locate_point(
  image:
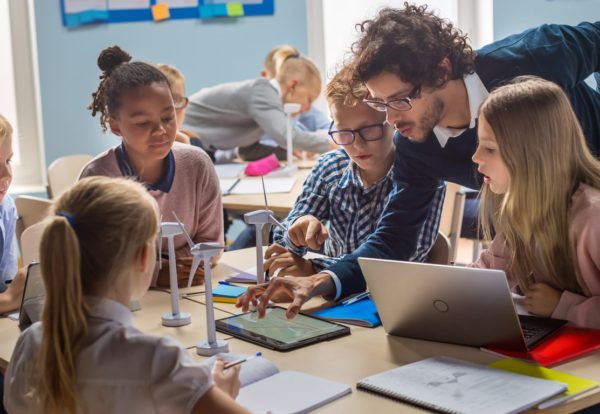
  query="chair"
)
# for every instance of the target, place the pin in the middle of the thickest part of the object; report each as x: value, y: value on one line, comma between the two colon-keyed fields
x: 31, y: 210
x: 63, y: 173
x: 440, y: 251
x: 30, y: 243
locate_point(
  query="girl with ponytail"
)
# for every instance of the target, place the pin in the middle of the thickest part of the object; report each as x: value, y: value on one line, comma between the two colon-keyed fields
x: 85, y: 356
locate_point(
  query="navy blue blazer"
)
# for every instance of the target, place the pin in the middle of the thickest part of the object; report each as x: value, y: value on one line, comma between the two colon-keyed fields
x: 566, y: 55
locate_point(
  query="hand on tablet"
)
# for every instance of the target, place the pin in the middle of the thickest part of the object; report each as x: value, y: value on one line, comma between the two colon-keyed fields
x: 296, y: 290
x: 278, y: 257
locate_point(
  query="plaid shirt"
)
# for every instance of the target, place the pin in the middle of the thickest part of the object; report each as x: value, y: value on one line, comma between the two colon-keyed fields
x: 334, y: 194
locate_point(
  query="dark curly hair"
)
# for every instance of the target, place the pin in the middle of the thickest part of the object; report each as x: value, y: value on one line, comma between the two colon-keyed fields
x: 411, y: 43
x: 119, y: 75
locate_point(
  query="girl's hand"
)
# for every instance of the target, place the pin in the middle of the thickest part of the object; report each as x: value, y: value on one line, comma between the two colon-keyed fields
x: 228, y: 380
x: 541, y: 299
x: 308, y: 231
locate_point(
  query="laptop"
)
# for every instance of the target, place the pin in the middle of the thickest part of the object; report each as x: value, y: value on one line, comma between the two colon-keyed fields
x: 34, y: 294
x: 457, y: 305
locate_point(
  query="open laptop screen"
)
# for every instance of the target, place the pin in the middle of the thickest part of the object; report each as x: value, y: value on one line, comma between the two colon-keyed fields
x: 33, y: 297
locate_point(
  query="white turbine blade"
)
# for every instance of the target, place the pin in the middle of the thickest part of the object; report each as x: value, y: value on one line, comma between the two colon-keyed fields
x: 195, y: 264
x: 185, y: 233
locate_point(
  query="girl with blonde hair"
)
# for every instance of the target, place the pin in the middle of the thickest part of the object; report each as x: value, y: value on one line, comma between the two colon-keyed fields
x: 85, y: 355
x: 542, y: 198
x: 236, y: 114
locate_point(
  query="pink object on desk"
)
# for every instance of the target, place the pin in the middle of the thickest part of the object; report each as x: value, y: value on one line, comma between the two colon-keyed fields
x: 262, y: 166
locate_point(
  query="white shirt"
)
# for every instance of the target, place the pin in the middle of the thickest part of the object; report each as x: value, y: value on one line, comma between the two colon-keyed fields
x: 119, y: 369
x: 476, y: 94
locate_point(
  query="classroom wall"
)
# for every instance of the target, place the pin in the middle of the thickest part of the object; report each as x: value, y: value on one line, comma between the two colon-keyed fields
x: 514, y: 16
x: 207, y: 52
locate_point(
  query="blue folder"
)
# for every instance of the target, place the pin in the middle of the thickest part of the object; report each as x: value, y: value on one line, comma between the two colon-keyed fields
x: 361, y: 313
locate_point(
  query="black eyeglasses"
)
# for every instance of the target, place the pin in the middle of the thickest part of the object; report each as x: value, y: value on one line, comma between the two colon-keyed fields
x: 180, y: 102
x: 398, y: 104
x: 347, y: 136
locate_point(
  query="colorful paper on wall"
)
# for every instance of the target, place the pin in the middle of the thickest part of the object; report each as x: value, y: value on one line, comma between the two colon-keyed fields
x: 213, y: 10
x: 235, y: 9
x: 78, y: 12
x: 128, y: 4
x: 160, y: 12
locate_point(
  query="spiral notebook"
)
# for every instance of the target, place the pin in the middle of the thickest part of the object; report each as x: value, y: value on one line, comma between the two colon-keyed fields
x: 454, y: 386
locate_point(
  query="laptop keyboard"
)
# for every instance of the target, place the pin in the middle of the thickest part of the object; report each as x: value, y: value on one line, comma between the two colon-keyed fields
x: 535, y: 329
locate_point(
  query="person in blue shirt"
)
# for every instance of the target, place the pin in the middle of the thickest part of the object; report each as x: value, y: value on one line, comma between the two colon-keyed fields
x: 11, y: 281
x: 421, y: 71
x: 343, y: 197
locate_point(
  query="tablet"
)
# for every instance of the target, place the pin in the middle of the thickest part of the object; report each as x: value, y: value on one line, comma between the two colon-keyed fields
x: 275, y: 331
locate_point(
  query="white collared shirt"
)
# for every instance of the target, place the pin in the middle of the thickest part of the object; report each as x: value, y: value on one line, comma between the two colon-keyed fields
x: 476, y: 94
x: 119, y: 369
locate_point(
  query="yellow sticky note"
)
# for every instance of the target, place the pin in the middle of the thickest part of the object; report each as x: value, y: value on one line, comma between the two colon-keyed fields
x: 160, y: 12
x: 235, y: 9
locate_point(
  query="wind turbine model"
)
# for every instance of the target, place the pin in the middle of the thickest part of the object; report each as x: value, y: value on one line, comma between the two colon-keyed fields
x: 260, y: 218
x: 290, y: 169
x: 175, y: 317
x: 204, y: 251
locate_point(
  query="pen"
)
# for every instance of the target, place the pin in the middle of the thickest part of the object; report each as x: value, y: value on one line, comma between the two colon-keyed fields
x: 231, y: 187
x: 242, y: 360
x: 224, y: 282
x: 356, y: 298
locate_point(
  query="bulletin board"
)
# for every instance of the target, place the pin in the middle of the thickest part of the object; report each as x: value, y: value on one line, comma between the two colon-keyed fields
x: 81, y: 12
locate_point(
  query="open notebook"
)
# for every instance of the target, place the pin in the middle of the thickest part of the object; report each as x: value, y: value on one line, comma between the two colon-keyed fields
x: 454, y: 386
x: 265, y: 389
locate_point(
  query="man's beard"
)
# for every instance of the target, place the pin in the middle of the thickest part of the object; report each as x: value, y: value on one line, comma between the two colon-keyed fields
x: 428, y: 121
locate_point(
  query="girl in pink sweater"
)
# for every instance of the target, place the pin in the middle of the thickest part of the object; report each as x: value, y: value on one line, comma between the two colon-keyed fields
x: 542, y: 197
x: 134, y: 100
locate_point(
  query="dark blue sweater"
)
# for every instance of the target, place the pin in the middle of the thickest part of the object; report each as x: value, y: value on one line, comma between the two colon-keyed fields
x: 563, y: 54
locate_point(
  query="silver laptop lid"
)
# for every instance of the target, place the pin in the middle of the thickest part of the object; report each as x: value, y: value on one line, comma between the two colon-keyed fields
x: 451, y: 304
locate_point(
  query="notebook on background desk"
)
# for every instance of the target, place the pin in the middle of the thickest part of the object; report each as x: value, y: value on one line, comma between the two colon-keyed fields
x: 459, y: 305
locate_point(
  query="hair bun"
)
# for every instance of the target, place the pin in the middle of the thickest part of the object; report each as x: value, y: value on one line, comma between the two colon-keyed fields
x: 111, y: 57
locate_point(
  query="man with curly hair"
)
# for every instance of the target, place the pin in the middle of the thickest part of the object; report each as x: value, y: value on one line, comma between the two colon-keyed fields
x: 420, y: 70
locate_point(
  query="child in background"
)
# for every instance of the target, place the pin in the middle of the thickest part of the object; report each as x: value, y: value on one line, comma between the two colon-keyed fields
x: 311, y: 120
x: 347, y: 189
x: 85, y: 355
x: 542, y: 190
x: 10, y: 294
x: 134, y: 99
x: 233, y: 115
x: 180, y: 101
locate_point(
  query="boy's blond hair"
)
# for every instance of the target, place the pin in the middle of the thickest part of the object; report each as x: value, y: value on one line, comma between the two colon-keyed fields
x: 172, y: 73
x: 269, y: 64
x: 6, y: 130
x: 343, y: 90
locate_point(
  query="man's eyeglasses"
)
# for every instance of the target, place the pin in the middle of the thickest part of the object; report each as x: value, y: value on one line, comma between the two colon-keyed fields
x: 347, y: 136
x: 180, y: 102
x: 398, y: 104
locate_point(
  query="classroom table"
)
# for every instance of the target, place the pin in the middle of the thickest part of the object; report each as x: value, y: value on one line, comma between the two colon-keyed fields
x: 348, y: 359
x: 280, y: 203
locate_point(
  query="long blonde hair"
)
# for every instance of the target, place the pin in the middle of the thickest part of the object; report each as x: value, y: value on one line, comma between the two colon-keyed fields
x: 99, y: 227
x: 289, y: 64
x: 543, y: 147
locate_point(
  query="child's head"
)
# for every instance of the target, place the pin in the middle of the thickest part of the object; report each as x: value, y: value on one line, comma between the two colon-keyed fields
x: 177, y: 81
x: 268, y: 70
x: 352, y: 117
x: 298, y: 77
x: 6, y: 154
x: 99, y: 241
x: 534, y: 155
x: 135, y: 100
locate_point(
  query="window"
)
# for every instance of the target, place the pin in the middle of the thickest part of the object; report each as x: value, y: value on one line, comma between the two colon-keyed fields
x: 19, y: 100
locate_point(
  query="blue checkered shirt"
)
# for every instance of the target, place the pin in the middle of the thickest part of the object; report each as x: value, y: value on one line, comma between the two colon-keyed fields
x: 334, y: 194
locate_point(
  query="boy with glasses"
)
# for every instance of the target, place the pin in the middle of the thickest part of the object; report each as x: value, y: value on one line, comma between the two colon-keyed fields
x: 347, y: 190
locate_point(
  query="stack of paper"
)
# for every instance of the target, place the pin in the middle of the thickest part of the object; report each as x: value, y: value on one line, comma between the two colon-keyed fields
x: 227, y: 293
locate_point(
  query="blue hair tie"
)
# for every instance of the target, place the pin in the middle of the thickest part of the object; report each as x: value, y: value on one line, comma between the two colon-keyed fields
x: 68, y: 216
